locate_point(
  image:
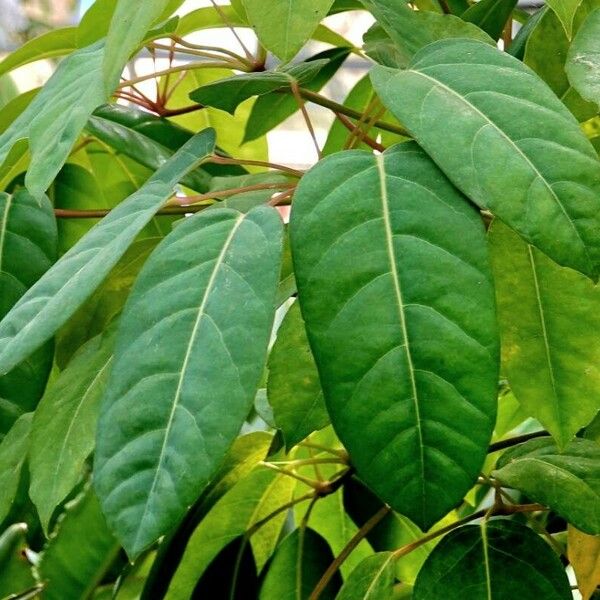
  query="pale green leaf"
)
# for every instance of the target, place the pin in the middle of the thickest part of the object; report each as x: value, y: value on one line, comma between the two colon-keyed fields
x: 64, y: 426
x: 298, y: 565
x: 551, y: 355
x: 293, y: 386
x: 243, y: 506
x: 16, y: 575
x: 79, y: 553
x: 412, y: 30
x: 60, y: 292
x: 283, y: 26
x: 13, y: 454
x: 584, y: 556
x: 400, y: 316
x: 372, y: 579
x: 201, y: 390
x: 548, y: 189
x: 583, y: 60
x: 495, y: 560
x: 568, y: 482
x: 565, y: 11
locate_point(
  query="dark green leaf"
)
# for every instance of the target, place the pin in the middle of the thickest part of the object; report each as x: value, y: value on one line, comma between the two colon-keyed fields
x: 300, y: 561
x: 64, y: 426
x: 293, y: 387
x: 583, y: 60
x: 550, y: 354
x: 517, y: 47
x: 227, y: 94
x: 490, y: 15
x: 400, y: 316
x: 412, y: 30
x: 16, y: 575
x: 373, y: 579
x: 501, y: 113
x: 272, y: 109
x: 231, y: 575
x: 60, y: 292
x: 79, y: 553
x: 283, y: 26
x: 495, y: 560
x: 565, y: 11
x: 13, y: 454
x: 202, y: 389
x: 28, y: 246
x: 568, y: 482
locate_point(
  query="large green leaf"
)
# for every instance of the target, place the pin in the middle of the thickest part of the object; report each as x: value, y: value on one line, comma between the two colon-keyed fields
x: 583, y: 60
x: 293, y: 387
x: 565, y: 11
x: 400, y: 316
x: 373, y: 579
x: 568, y: 481
x: 79, y: 553
x: 28, y: 246
x: 227, y: 94
x: 490, y: 15
x: 13, y: 454
x: 550, y: 354
x: 495, y: 560
x: 64, y: 426
x: 412, y: 30
x: 58, y: 294
x: 202, y: 389
x: 300, y: 561
x: 548, y: 189
x: 242, y: 507
x: 283, y: 26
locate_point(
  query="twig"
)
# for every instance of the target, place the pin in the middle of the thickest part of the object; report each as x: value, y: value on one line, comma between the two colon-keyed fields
x: 309, y: 125
x: 348, y: 124
x: 501, y: 445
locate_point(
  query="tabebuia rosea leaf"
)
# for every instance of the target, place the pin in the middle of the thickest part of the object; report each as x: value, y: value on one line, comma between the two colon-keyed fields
x: 494, y: 560
x: 506, y: 141
x: 70, y: 282
x: 372, y: 579
x: 186, y: 365
x: 400, y: 316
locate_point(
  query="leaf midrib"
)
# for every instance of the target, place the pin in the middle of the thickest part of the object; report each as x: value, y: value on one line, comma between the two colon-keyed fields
x: 517, y: 150
x: 195, y: 328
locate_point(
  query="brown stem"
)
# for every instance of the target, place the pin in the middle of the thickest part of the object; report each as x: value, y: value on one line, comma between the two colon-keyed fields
x: 501, y: 445
x: 224, y: 160
x: 61, y: 213
x: 347, y: 550
x: 309, y: 125
x: 231, y: 192
x: 350, y: 126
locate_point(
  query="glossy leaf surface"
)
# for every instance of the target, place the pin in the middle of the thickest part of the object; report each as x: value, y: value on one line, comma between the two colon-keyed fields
x: 202, y: 389
x: 399, y: 353
x: 501, y: 113
x: 58, y: 294
x: 372, y: 579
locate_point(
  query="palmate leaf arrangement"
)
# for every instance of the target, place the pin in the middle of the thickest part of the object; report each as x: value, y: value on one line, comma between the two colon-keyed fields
x: 421, y: 421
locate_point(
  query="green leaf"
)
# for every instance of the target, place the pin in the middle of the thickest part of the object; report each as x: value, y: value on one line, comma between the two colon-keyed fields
x: 565, y: 11
x: 300, y: 561
x: 548, y: 190
x: 388, y: 297
x: 232, y: 574
x: 58, y: 294
x: 243, y: 506
x: 584, y: 557
x: 568, y: 482
x: 80, y: 551
x: 295, y: 394
x: 517, y: 47
x: 283, y: 26
x: 64, y: 426
x: 227, y: 94
x: 550, y: 354
x: 583, y: 60
x: 13, y: 453
x: 490, y: 15
x: 215, y: 359
x: 53, y: 43
x: 272, y: 109
x: 495, y: 560
x: 16, y: 575
x: 28, y: 245
x: 129, y: 25
x: 373, y: 579
x: 145, y: 138
x: 412, y: 30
